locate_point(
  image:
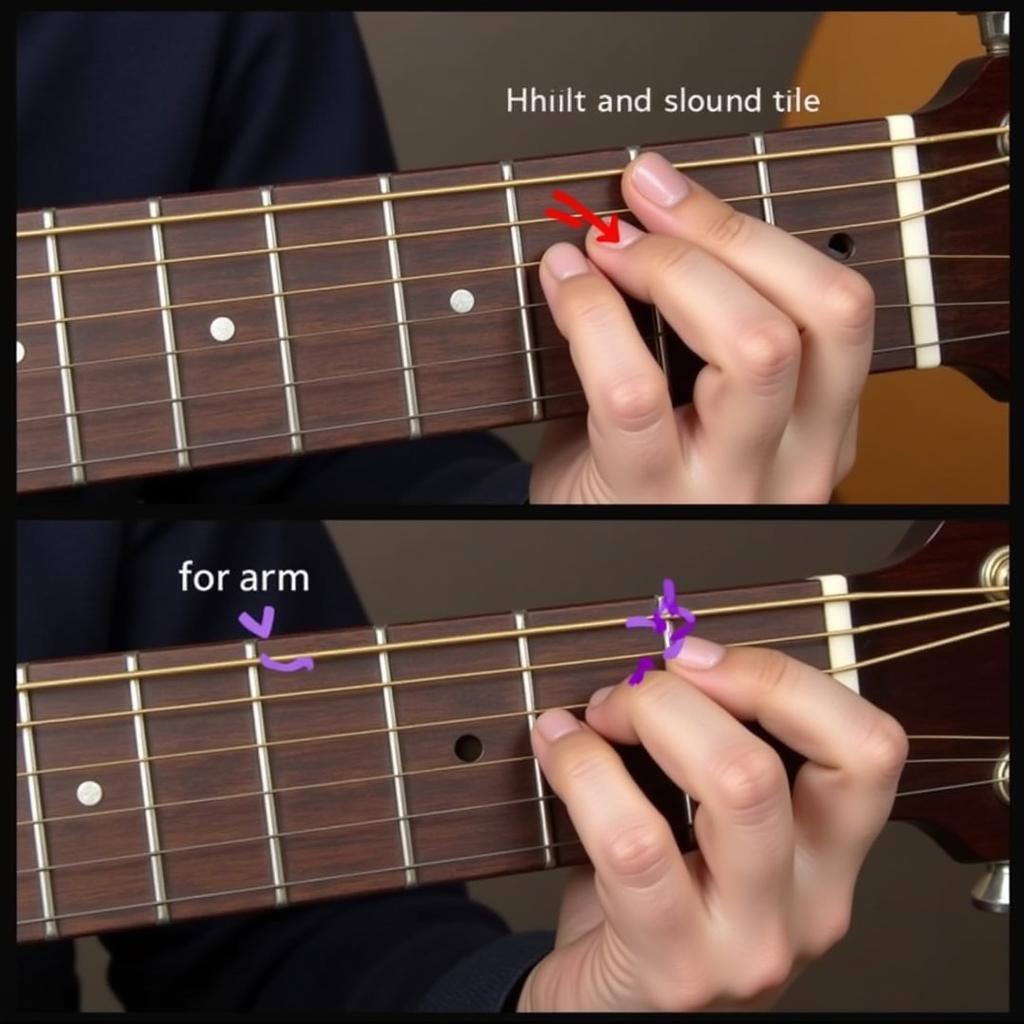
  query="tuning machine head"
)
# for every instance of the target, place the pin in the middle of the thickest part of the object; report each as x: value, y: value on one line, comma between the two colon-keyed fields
x: 992, y: 891
x: 995, y: 30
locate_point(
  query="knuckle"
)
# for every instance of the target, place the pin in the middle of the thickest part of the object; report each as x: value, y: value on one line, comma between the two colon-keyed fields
x: 635, y: 402
x: 769, y: 671
x: 676, y: 260
x: 727, y: 228
x: 767, y: 971
x: 749, y: 780
x: 885, y: 747
x: 639, y: 854
x: 678, y: 995
x: 768, y: 352
x: 849, y: 299
x: 829, y: 928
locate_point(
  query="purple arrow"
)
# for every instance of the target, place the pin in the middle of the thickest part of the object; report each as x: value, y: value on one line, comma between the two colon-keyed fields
x: 261, y: 629
x: 285, y: 666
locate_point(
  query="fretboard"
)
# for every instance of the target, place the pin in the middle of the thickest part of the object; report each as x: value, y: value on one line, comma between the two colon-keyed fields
x: 401, y: 766
x: 159, y: 336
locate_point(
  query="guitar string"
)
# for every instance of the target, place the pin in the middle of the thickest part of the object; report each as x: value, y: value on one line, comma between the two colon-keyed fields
x: 415, y: 321
x: 365, y: 823
x: 390, y: 777
x: 150, y: 264
x: 380, y: 421
x: 517, y: 354
x: 377, y: 685
x: 503, y: 184
x: 464, y: 272
x: 505, y: 634
x: 388, y: 730
x: 399, y: 868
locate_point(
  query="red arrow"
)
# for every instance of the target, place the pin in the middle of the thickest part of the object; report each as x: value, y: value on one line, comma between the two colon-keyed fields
x: 608, y: 232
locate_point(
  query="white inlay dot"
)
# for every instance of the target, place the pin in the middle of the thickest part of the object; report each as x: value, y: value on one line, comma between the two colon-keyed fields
x: 222, y: 328
x: 89, y: 793
x: 462, y: 301
x: 19, y: 351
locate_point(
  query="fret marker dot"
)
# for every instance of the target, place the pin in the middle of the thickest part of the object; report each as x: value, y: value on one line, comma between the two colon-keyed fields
x: 222, y: 328
x: 19, y: 351
x: 90, y: 793
x: 462, y: 301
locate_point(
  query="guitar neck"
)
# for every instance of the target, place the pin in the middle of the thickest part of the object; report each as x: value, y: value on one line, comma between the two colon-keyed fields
x: 194, y: 781
x: 208, y: 329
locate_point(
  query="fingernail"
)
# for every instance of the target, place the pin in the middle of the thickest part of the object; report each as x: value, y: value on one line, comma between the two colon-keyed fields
x: 600, y: 696
x: 627, y: 236
x: 564, y: 261
x: 657, y: 180
x: 555, y: 724
x: 699, y: 653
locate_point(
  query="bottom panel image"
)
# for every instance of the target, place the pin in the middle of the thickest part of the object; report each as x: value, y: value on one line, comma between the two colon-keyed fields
x: 479, y: 766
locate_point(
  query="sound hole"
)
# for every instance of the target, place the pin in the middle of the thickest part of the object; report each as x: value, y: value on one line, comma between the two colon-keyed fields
x: 468, y: 748
x: 840, y: 246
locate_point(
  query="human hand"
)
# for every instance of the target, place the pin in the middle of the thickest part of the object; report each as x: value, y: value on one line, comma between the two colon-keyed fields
x: 770, y: 887
x: 785, y: 330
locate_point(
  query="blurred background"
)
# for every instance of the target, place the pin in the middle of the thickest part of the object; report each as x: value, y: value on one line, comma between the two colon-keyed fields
x: 916, y: 943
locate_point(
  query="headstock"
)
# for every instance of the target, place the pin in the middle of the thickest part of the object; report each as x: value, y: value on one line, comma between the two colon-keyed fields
x: 958, y: 785
x: 976, y: 95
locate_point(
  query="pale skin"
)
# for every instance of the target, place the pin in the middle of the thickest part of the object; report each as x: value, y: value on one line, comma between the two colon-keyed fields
x: 770, y: 887
x: 786, y: 332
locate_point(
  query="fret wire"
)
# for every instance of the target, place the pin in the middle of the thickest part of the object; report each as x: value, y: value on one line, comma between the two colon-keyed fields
x: 395, y: 754
x: 398, y: 295
x: 550, y: 179
x: 422, y: 864
x: 67, y: 381
x: 525, y: 328
x: 763, y: 180
x: 170, y: 348
x: 529, y: 702
x: 482, y: 407
x: 666, y: 643
x: 561, y: 628
x: 291, y: 401
x: 405, y: 774
x: 833, y: 671
x: 35, y: 803
x: 266, y: 779
x: 154, y: 854
x: 941, y: 172
x: 397, y: 279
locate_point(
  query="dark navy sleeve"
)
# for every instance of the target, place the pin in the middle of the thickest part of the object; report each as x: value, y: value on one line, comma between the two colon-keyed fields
x: 129, y: 104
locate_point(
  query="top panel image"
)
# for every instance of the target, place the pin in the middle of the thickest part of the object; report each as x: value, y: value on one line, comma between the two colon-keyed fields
x: 666, y: 258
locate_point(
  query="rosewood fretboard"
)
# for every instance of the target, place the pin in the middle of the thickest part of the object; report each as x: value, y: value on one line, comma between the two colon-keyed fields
x: 175, y: 344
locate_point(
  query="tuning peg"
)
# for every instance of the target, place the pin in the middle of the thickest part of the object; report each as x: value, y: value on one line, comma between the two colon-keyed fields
x: 992, y: 891
x: 995, y: 30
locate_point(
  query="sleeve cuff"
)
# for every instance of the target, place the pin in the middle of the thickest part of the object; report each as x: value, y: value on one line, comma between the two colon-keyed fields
x: 483, y: 981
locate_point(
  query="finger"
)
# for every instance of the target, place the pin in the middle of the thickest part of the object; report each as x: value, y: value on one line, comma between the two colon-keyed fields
x: 832, y: 304
x: 744, y: 824
x: 843, y: 795
x: 744, y: 397
x: 645, y: 887
x: 635, y: 442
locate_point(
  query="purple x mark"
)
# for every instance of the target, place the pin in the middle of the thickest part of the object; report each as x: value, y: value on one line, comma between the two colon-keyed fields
x: 668, y: 606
